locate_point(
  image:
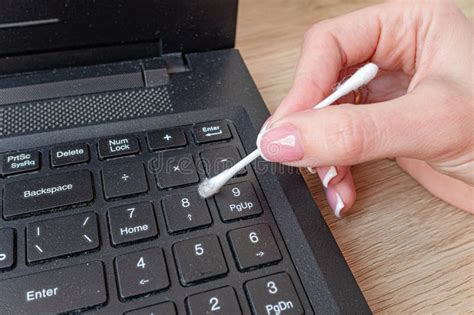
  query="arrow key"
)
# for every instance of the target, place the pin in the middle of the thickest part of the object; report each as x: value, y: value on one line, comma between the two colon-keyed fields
x: 141, y: 272
x: 185, y: 212
x: 254, y: 246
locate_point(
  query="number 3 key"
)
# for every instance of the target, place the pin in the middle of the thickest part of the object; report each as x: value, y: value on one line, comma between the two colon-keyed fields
x: 274, y: 294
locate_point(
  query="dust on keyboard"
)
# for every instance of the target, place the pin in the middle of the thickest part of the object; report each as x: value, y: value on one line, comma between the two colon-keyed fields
x: 116, y: 224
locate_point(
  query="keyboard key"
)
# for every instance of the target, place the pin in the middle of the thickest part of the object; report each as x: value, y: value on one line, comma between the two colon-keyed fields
x: 141, y: 272
x: 174, y: 169
x: 55, y: 291
x: 254, y: 246
x: 237, y: 201
x: 199, y: 258
x: 70, y: 154
x: 45, y: 193
x: 124, y: 180
x: 219, y: 301
x: 7, y: 248
x: 167, y: 308
x: 61, y: 236
x: 132, y: 223
x: 166, y: 139
x: 210, y: 132
x: 118, y: 146
x: 185, y: 211
x: 19, y: 162
x: 273, y: 295
x: 217, y: 160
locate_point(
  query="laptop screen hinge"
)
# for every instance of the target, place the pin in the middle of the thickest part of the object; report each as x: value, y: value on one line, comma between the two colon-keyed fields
x: 175, y: 63
x: 156, y: 71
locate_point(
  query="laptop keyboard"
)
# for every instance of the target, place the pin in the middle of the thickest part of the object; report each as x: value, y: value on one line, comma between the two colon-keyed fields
x: 116, y: 223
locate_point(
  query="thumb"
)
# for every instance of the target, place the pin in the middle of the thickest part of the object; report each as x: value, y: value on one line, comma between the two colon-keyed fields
x: 418, y: 125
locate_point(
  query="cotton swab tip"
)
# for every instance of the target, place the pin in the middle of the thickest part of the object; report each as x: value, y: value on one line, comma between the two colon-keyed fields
x: 211, y: 186
x: 208, y: 188
x: 367, y: 73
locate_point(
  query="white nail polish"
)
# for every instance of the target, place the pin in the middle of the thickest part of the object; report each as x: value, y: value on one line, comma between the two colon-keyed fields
x: 262, y: 131
x: 259, y: 138
x: 339, y: 205
x: 332, y: 172
x: 289, y: 141
x: 312, y: 170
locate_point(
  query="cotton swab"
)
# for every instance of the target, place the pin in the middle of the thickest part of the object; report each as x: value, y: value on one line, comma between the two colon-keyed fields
x: 210, y: 186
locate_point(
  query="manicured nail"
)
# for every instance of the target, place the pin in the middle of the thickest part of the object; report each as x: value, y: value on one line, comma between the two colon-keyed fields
x: 266, y: 124
x: 335, y: 202
x: 281, y: 144
x: 312, y: 170
x: 331, y: 173
x: 263, y: 130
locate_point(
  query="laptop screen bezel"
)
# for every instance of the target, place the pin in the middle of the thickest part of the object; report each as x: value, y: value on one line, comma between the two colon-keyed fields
x: 29, y: 27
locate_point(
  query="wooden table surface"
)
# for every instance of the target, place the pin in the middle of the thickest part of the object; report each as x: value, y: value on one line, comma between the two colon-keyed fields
x: 409, y: 251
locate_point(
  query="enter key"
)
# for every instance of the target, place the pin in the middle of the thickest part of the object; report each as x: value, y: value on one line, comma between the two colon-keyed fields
x: 55, y: 291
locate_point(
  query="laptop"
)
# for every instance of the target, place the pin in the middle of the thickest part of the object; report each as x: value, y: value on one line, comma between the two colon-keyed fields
x: 111, y: 113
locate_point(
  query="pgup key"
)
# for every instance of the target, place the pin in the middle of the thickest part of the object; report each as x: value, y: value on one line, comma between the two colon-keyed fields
x: 239, y: 207
x: 61, y: 236
x: 238, y: 201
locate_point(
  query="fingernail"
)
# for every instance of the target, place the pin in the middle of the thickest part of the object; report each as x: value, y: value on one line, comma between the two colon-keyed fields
x: 281, y: 144
x: 266, y: 124
x: 263, y: 130
x: 312, y: 170
x: 335, y: 202
x: 331, y: 173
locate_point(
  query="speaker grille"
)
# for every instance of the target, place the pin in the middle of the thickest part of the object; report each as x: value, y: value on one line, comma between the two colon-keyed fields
x: 82, y: 111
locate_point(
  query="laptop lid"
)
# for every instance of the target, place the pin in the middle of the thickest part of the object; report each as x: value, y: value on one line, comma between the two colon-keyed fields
x: 49, y: 27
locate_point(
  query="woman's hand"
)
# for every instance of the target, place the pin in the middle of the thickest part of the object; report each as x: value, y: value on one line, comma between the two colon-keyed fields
x: 419, y: 109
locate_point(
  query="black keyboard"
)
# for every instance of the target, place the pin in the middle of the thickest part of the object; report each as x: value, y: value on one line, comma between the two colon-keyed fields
x: 115, y: 225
